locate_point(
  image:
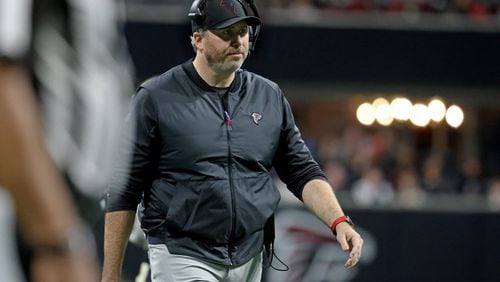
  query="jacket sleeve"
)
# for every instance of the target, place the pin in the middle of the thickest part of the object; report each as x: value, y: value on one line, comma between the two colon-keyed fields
x: 136, y: 165
x: 293, y: 161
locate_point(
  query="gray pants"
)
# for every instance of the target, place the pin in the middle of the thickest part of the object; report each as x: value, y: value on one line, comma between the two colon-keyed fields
x: 167, y: 267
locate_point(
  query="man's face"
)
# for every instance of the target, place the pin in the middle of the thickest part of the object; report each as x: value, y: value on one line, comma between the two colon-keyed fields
x: 226, y: 49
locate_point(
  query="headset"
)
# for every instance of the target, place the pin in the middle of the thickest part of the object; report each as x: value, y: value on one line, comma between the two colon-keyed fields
x: 197, y: 15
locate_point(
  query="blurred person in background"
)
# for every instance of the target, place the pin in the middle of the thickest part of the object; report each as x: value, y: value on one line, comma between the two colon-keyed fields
x: 338, y: 174
x: 436, y: 179
x: 62, y: 93
x: 409, y: 192
x: 471, y: 177
x: 372, y: 188
x: 494, y: 193
x: 208, y: 134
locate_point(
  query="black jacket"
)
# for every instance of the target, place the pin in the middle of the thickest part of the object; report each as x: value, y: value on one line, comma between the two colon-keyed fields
x: 203, y: 177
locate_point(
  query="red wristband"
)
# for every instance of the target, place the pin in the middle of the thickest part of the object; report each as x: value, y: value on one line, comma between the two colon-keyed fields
x: 340, y: 219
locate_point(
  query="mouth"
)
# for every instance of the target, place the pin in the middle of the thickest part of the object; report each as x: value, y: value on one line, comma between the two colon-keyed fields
x: 236, y: 54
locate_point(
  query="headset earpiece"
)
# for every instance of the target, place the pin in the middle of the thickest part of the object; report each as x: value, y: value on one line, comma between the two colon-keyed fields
x: 253, y: 31
x: 196, y: 13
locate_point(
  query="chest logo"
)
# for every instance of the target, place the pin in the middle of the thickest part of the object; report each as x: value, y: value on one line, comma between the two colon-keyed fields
x: 256, y: 117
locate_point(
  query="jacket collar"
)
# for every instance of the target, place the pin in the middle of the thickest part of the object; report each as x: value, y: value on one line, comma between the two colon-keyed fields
x: 188, y: 67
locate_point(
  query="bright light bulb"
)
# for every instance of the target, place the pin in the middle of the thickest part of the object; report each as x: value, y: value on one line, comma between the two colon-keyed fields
x: 420, y: 115
x: 437, y: 110
x: 454, y: 116
x: 383, y: 114
x: 366, y: 114
x: 401, y: 108
x: 380, y: 101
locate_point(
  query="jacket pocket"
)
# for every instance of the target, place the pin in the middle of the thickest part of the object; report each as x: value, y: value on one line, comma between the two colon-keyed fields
x: 257, y: 199
x: 201, y: 209
x: 153, y: 209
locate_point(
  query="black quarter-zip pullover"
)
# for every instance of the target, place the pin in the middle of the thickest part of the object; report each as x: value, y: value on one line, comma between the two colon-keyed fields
x: 201, y: 168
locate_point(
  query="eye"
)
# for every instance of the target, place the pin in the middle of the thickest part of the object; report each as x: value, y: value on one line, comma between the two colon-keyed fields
x: 243, y: 31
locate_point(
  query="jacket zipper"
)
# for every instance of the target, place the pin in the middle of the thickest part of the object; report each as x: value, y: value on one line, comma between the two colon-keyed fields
x: 229, y: 127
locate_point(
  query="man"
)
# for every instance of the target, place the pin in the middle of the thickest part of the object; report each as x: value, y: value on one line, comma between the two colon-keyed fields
x: 208, y: 134
x: 50, y: 56
x: 44, y: 207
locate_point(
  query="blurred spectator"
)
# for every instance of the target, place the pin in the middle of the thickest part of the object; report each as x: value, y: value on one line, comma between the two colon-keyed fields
x: 372, y: 188
x: 434, y: 178
x: 405, y: 154
x: 432, y: 6
x: 346, y: 5
x: 479, y: 10
x: 409, y: 192
x: 494, y: 194
x: 337, y: 173
x: 361, y: 148
x: 471, y: 177
x: 331, y: 147
x: 384, y: 155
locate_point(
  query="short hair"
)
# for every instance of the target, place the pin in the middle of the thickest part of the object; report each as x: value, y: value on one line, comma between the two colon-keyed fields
x: 202, y: 32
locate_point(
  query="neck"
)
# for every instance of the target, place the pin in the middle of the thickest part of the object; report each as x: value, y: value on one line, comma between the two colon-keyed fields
x: 211, y: 77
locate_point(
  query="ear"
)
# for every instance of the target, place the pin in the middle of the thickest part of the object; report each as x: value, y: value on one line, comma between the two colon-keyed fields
x: 197, y: 40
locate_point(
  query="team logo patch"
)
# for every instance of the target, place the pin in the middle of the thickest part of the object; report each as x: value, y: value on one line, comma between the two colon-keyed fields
x: 256, y: 117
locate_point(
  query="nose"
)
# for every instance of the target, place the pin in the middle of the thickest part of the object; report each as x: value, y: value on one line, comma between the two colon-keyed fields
x: 237, y: 40
x: 241, y: 38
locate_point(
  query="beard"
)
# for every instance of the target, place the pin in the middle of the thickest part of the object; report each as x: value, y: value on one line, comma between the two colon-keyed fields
x: 220, y: 62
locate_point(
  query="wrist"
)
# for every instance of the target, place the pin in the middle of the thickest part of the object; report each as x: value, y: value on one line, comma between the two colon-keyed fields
x: 338, y: 220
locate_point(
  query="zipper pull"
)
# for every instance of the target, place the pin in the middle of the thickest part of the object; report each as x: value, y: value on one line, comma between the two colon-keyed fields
x: 228, y: 120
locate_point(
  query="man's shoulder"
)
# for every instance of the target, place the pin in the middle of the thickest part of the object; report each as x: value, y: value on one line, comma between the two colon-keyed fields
x: 259, y: 80
x: 162, y: 81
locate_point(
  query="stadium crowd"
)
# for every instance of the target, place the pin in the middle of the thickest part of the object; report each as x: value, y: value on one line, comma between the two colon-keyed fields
x: 381, y: 167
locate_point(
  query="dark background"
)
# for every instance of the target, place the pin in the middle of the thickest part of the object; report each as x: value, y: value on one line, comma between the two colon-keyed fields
x: 320, y: 54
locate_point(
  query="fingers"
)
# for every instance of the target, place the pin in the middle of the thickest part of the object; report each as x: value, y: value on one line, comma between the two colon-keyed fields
x: 351, y: 262
x: 355, y: 253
